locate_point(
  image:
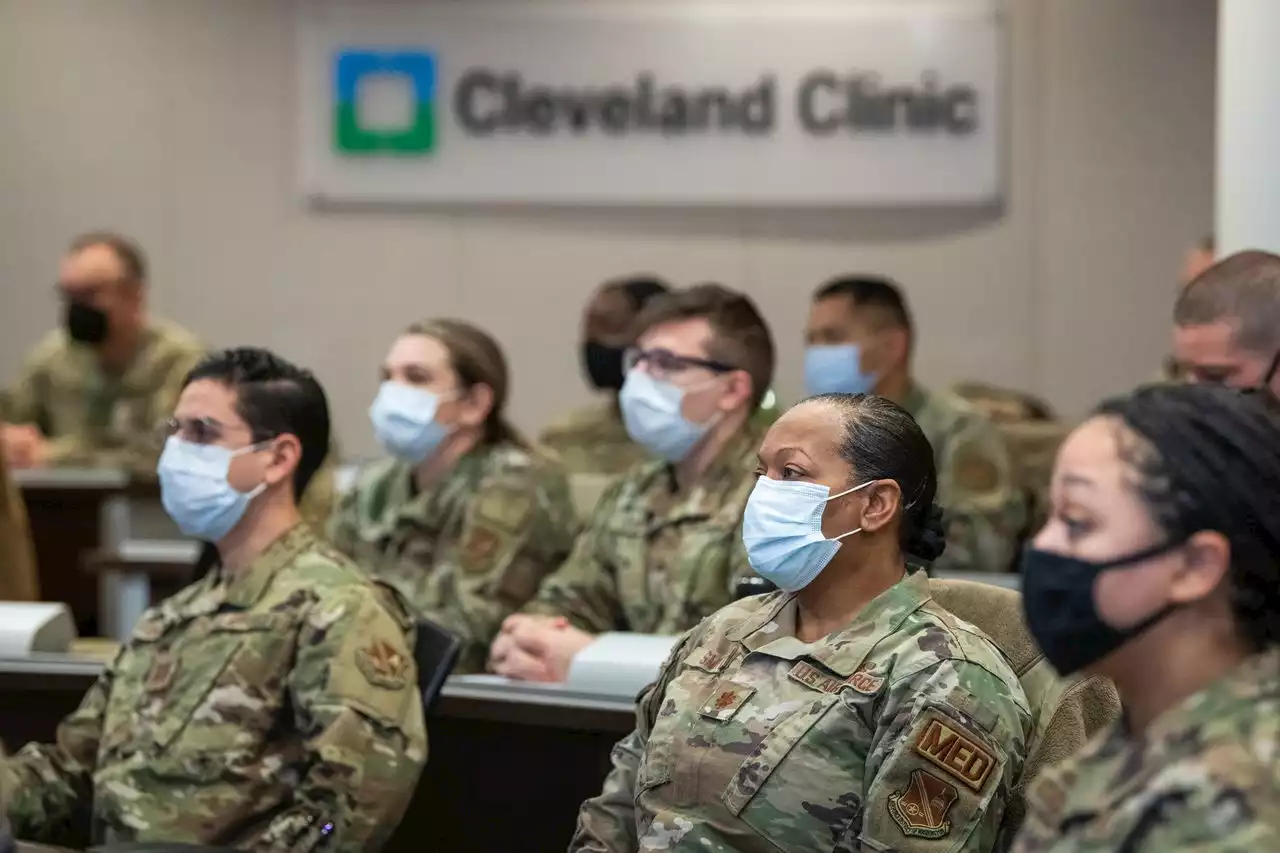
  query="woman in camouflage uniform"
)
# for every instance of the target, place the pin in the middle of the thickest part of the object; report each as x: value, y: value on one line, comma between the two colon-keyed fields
x: 1159, y: 569
x: 847, y: 711
x: 465, y: 518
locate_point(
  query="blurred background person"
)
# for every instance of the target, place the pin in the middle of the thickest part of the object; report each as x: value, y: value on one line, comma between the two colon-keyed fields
x: 465, y: 518
x: 663, y: 548
x: 1160, y: 570
x: 92, y: 392
x: 1226, y: 323
x: 592, y: 439
x: 860, y: 339
x: 18, y: 581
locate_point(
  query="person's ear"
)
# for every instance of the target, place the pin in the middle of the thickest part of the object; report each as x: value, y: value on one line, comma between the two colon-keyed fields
x: 475, y: 405
x: 285, y: 457
x: 1208, y: 558
x: 883, y: 499
x: 739, y: 389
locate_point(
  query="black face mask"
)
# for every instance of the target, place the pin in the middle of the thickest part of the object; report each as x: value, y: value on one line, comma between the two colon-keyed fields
x: 85, y: 323
x: 1057, y: 599
x: 603, y: 365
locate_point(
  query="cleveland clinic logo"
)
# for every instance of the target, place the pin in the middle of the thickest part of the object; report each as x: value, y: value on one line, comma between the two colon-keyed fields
x: 487, y: 102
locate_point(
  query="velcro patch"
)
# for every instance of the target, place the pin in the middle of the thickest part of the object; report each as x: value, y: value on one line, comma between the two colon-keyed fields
x: 810, y: 676
x: 726, y: 700
x: 955, y: 752
x: 920, y: 809
x: 382, y: 665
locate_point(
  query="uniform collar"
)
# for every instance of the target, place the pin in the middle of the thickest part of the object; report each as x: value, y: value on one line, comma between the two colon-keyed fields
x: 730, y: 465
x: 1255, y: 678
x: 772, y: 630
x: 247, y: 588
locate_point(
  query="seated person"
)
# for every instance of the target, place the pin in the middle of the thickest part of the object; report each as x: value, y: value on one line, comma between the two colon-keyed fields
x: 592, y: 439
x: 846, y: 711
x: 273, y: 704
x: 7, y: 842
x: 663, y: 548
x: 465, y: 518
x: 92, y: 392
x: 860, y: 338
x: 17, y: 558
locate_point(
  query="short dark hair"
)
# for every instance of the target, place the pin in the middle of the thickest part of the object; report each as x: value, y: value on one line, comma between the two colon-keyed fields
x: 739, y: 335
x: 1243, y: 289
x: 274, y: 397
x: 1206, y: 458
x: 128, y: 252
x: 881, y: 441
x: 883, y: 295
x: 638, y: 289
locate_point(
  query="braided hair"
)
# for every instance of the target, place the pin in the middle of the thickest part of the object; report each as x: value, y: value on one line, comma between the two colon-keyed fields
x: 1207, y: 457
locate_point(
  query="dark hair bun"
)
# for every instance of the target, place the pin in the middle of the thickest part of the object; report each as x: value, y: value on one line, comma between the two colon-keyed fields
x: 927, y: 538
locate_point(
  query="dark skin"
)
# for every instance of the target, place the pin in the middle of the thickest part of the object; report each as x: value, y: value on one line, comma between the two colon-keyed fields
x: 803, y: 446
x: 885, y: 349
x: 608, y: 317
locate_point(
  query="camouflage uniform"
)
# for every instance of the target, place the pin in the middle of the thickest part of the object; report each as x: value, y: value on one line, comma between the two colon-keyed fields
x: 905, y: 731
x: 17, y: 556
x: 655, y: 560
x: 273, y: 710
x: 985, y: 509
x: 592, y: 440
x: 317, y: 504
x: 93, y: 419
x: 1204, y: 777
x: 469, y: 551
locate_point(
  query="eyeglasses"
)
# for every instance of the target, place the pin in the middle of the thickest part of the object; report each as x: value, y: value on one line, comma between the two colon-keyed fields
x: 195, y: 430
x: 663, y: 363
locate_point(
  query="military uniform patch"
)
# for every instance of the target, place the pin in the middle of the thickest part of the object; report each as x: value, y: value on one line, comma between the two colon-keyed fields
x: 160, y: 674
x: 864, y: 682
x: 480, y: 549
x: 920, y: 810
x: 382, y: 665
x: 810, y: 676
x: 954, y: 752
x: 726, y: 701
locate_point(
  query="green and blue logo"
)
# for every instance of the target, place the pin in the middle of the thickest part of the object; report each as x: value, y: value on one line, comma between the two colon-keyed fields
x: 350, y: 135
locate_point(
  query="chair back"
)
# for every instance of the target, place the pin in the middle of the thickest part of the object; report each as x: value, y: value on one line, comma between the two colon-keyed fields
x: 436, y: 651
x: 1065, y: 713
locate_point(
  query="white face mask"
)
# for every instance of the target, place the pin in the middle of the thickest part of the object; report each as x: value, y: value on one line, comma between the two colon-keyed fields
x: 782, y: 531
x: 195, y: 491
x: 404, y: 420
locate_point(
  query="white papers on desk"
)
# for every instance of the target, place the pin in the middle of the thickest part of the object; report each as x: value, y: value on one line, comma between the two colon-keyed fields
x: 27, y: 627
x: 620, y: 664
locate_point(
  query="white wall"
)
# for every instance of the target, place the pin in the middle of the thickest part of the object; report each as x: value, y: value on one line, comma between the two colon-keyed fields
x: 172, y: 120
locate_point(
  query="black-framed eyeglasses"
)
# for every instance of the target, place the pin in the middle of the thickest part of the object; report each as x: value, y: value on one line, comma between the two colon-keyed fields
x: 661, y: 362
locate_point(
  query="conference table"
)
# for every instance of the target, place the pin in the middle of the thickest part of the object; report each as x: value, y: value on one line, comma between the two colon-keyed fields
x: 508, y: 763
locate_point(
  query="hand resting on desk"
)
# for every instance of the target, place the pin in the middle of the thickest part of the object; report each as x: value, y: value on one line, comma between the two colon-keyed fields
x: 24, y: 445
x: 537, y: 648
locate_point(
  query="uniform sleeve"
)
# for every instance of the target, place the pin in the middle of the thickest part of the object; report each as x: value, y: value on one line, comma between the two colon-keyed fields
x: 517, y: 529
x: 607, y: 821
x: 24, y: 402
x: 948, y: 748
x: 51, y: 785
x: 354, y: 690
x: 585, y: 588
x: 977, y: 488
x: 17, y: 557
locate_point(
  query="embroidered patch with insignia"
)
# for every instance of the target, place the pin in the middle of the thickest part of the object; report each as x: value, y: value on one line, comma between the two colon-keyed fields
x: 810, y: 676
x: 955, y: 752
x: 710, y: 661
x: 160, y: 674
x: 382, y: 665
x: 480, y: 549
x: 920, y: 809
x: 726, y: 700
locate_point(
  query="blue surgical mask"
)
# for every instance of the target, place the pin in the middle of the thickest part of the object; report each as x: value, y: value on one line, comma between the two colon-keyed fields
x: 404, y: 420
x: 782, y: 530
x: 651, y: 413
x: 836, y: 370
x: 194, y: 488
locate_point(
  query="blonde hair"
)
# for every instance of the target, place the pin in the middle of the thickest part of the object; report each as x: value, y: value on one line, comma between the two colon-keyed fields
x: 477, y: 359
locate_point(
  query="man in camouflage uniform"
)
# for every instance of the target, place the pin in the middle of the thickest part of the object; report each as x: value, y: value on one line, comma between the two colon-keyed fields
x: 860, y: 338
x: 469, y: 550
x: 272, y: 705
x: 663, y: 548
x: 591, y: 439
x: 1202, y: 779
x: 17, y: 559
x: 94, y: 392
x: 905, y: 731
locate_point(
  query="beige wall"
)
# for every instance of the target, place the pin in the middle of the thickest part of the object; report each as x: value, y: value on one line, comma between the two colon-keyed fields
x: 172, y: 120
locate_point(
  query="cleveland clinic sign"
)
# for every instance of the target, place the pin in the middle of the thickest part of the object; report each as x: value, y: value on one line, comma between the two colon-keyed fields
x: 860, y: 104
